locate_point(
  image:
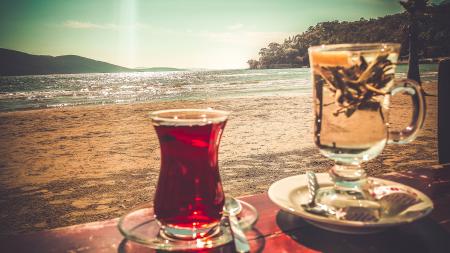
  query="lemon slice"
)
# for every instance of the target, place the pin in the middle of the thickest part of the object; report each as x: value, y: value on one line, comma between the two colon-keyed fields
x: 328, y: 58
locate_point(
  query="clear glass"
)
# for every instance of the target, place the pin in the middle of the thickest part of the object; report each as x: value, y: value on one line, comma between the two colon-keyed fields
x: 139, y: 227
x: 189, y: 197
x: 352, y: 86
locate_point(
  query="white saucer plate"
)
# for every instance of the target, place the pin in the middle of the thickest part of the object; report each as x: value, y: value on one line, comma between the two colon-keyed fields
x: 291, y: 192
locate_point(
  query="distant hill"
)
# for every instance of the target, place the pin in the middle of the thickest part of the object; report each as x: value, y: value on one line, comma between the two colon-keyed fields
x: 14, y: 63
x: 157, y: 69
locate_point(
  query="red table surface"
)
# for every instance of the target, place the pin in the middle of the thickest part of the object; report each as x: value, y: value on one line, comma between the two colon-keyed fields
x: 275, y: 231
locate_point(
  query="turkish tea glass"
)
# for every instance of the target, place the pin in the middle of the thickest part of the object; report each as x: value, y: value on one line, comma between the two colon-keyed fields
x: 189, y: 197
x: 352, y: 87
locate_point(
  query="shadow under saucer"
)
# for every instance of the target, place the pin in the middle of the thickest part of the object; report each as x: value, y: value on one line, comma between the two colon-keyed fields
x: 424, y: 235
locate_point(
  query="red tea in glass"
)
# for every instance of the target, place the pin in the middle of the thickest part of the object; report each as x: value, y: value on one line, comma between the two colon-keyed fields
x: 189, y: 196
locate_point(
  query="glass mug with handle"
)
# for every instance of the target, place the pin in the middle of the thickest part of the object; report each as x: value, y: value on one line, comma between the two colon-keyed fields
x: 352, y: 88
x: 189, y: 196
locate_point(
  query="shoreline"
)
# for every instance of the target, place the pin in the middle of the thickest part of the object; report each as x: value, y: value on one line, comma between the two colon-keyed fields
x: 70, y: 165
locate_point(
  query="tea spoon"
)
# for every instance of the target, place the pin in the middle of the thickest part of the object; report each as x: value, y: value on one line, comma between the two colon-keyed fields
x: 350, y: 213
x: 313, y: 187
x: 232, y: 208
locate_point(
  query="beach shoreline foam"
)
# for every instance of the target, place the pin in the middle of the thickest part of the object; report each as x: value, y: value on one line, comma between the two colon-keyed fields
x: 70, y: 165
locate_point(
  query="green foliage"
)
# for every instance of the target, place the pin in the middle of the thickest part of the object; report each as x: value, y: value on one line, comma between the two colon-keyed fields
x: 415, y: 6
x: 434, y: 37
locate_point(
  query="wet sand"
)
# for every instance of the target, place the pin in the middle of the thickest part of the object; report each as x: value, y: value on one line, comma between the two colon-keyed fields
x: 64, y: 166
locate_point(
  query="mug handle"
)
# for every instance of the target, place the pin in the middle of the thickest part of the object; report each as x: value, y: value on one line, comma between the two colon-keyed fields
x: 410, y: 132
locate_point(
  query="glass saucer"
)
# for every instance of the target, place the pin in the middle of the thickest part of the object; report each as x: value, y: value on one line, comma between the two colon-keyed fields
x: 141, y: 227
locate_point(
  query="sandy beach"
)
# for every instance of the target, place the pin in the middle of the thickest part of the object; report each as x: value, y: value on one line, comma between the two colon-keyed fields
x: 70, y: 165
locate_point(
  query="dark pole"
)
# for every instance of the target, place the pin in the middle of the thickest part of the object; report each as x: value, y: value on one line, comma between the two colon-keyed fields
x: 443, y: 112
x: 413, y: 64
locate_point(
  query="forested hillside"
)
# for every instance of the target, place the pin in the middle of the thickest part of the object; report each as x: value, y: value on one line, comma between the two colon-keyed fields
x: 434, y: 37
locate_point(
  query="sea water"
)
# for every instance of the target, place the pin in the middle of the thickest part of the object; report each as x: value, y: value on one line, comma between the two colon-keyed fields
x: 31, y: 92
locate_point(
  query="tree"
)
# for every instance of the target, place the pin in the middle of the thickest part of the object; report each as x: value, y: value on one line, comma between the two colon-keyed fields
x: 414, y: 8
x: 253, y: 64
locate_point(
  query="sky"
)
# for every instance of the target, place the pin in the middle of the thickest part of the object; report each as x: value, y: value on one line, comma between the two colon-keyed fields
x: 171, y: 33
